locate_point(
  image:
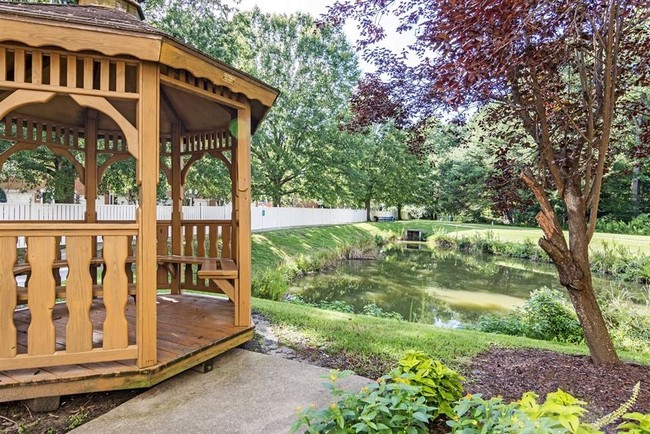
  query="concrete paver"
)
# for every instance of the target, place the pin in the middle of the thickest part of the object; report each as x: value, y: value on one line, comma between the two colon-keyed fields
x: 246, y: 392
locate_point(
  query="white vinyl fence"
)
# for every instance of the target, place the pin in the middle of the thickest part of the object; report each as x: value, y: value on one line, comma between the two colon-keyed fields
x: 263, y: 218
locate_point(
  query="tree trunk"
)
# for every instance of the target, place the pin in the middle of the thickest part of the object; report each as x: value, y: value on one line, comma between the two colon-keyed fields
x: 64, y: 180
x: 367, y: 205
x: 399, y: 211
x: 572, y: 263
x: 277, y: 198
x: 575, y: 275
x: 635, y: 187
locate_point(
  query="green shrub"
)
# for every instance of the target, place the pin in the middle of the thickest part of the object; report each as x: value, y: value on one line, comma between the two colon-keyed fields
x: 549, y: 318
x: 544, y: 316
x: 512, y: 323
x: 640, y: 225
x: 271, y: 284
x: 382, y: 406
x: 440, y: 385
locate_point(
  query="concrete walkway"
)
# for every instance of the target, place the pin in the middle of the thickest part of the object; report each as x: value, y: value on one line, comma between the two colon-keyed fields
x: 246, y: 392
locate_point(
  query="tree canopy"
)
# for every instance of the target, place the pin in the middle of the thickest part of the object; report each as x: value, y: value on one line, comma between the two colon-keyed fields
x: 562, y: 69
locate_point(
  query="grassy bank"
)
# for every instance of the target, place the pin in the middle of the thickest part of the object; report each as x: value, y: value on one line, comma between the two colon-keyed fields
x: 374, y: 341
x: 271, y: 248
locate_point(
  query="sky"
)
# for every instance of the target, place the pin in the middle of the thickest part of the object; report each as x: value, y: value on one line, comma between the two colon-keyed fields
x: 314, y: 7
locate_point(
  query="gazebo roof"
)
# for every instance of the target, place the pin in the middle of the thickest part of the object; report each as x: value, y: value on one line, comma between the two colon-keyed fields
x: 86, y: 15
x: 124, y: 34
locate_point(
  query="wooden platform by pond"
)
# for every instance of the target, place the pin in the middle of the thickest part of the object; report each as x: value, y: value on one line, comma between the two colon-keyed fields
x: 191, y: 329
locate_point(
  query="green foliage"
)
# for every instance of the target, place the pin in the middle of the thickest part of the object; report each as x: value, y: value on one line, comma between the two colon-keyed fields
x: 270, y: 284
x: 545, y: 316
x: 40, y: 167
x: 629, y: 324
x: 620, y: 262
x: 440, y: 385
x: 376, y: 311
x: 639, y: 225
x: 549, y: 317
x: 315, y: 69
x: 635, y: 423
x: 559, y: 413
x: 337, y: 306
x: 383, y: 406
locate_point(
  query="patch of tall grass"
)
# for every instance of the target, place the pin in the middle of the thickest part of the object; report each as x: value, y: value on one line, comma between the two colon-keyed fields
x: 273, y: 283
x: 611, y: 260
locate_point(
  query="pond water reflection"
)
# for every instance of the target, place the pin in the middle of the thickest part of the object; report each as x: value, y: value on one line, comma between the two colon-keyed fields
x: 432, y: 286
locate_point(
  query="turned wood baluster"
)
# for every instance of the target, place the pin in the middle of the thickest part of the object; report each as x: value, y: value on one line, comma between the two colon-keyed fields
x: 79, y: 290
x: 8, y: 334
x: 41, y: 335
x: 115, y: 293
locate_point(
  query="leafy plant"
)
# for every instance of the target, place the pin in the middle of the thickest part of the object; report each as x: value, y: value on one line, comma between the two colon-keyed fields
x: 473, y: 414
x: 382, y: 406
x: 550, y: 319
x: 560, y: 413
x: 635, y: 423
x: 440, y: 385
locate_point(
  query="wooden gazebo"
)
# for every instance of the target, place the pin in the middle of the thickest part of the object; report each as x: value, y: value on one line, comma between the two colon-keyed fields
x: 96, y: 85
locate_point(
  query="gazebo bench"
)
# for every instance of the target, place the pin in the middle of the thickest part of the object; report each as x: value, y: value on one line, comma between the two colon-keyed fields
x: 222, y: 271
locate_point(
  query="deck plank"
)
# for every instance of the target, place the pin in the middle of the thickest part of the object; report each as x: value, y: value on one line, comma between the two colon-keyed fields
x: 190, y: 330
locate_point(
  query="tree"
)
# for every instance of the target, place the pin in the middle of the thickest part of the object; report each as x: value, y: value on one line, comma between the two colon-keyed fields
x: 40, y: 167
x: 560, y: 67
x: 201, y: 23
x: 315, y: 70
x: 380, y: 169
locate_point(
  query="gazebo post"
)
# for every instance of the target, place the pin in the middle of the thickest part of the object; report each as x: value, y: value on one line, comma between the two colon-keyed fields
x: 242, y: 237
x: 90, y: 178
x: 147, y: 174
x: 177, y: 204
x: 90, y: 182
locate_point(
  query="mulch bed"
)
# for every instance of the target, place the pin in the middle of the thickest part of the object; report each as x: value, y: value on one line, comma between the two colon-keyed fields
x: 511, y: 372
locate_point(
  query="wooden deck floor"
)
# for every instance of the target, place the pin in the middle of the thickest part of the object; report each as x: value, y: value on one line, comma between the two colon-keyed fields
x: 191, y: 330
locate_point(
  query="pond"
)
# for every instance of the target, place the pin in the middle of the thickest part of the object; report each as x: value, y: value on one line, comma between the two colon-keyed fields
x: 440, y: 287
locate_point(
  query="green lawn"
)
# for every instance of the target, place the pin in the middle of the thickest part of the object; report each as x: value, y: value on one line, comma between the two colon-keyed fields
x: 375, y: 341
x: 273, y: 247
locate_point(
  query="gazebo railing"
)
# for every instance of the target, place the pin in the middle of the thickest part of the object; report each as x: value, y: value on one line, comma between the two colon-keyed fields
x: 76, y: 343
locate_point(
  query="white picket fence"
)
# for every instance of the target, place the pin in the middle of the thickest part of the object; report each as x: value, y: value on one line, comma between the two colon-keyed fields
x: 262, y: 218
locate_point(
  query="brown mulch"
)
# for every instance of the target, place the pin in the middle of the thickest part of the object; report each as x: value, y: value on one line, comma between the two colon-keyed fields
x: 511, y: 372
x: 74, y: 410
